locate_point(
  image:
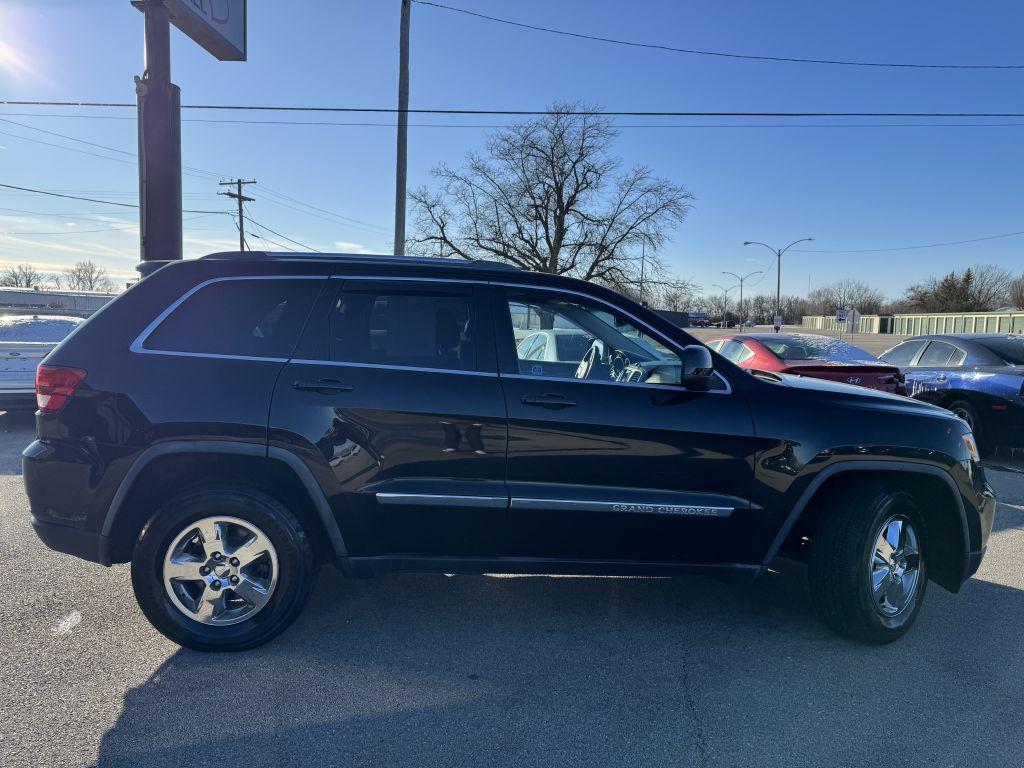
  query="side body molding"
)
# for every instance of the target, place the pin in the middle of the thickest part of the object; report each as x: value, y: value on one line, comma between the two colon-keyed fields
x: 170, y: 447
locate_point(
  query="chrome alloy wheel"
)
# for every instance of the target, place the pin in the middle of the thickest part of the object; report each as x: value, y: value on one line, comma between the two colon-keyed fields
x: 895, y: 571
x: 220, y: 570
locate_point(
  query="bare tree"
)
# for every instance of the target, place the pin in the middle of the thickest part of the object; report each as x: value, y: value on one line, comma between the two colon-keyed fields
x: 676, y: 296
x: 21, y: 276
x: 548, y: 196
x: 87, y: 276
x: 1017, y: 292
x: 845, y: 294
x: 975, y: 289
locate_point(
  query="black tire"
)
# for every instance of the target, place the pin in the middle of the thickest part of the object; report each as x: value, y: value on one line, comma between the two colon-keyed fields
x: 969, y: 413
x: 296, y: 567
x: 839, y: 568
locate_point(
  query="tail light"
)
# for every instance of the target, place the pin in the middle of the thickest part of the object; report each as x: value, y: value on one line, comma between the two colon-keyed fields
x: 54, y: 386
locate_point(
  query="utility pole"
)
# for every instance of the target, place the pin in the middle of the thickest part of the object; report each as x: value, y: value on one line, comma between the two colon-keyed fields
x: 159, y: 131
x: 237, y: 195
x: 742, y: 279
x: 778, y: 266
x: 401, y: 165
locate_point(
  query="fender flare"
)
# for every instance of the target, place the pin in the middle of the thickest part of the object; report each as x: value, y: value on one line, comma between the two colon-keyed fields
x: 843, y: 467
x: 172, y: 447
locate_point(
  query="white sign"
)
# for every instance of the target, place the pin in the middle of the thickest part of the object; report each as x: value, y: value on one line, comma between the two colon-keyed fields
x: 840, y: 315
x: 217, y: 25
x: 778, y: 321
x: 852, y: 320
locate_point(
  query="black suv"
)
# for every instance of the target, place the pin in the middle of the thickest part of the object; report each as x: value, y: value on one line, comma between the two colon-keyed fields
x: 230, y: 423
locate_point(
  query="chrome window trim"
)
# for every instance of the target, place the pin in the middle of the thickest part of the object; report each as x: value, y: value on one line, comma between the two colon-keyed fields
x: 138, y: 347
x: 431, y: 499
x: 387, y: 367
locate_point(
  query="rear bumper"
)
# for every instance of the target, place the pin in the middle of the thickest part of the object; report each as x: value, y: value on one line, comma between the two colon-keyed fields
x: 73, y: 541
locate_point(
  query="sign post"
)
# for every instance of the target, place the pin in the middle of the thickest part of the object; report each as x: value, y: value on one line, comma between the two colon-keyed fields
x: 219, y: 26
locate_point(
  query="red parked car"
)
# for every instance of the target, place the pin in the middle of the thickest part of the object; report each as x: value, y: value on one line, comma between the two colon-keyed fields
x: 807, y: 354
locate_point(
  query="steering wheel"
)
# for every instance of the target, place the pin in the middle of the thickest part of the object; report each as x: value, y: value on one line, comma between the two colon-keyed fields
x: 620, y: 362
x: 586, y: 365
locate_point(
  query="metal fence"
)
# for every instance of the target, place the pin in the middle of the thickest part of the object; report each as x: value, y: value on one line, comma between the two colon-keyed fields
x: 927, y: 323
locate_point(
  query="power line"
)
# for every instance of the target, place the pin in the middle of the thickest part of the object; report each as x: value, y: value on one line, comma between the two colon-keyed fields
x: 92, y: 199
x: 188, y: 170
x: 199, y: 170
x: 69, y: 232
x: 329, y: 123
x: 721, y: 54
x: 518, y: 112
x: 914, y: 247
x: 283, y: 237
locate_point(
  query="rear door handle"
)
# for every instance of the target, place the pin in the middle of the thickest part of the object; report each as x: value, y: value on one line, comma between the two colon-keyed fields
x: 323, y: 386
x: 550, y: 400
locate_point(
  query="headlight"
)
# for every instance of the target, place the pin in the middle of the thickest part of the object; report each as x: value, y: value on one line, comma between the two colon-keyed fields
x: 972, y: 447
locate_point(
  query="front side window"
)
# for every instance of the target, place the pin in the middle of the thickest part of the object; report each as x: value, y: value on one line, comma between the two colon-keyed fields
x: 238, y: 317
x: 584, y: 340
x: 410, y: 327
x: 903, y: 353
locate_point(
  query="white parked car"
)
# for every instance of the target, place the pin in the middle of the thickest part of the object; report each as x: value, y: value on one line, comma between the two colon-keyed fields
x: 24, y: 341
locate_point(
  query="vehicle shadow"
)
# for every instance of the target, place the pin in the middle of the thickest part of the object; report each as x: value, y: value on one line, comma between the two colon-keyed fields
x: 426, y: 670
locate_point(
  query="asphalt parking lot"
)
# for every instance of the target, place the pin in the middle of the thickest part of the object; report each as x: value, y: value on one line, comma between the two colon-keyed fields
x: 425, y: 670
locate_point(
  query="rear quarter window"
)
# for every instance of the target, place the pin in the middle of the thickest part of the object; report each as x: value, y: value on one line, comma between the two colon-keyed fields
x: 240, y: 317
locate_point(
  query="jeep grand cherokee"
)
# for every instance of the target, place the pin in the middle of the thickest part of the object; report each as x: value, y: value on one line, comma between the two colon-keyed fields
x: 230, y: 423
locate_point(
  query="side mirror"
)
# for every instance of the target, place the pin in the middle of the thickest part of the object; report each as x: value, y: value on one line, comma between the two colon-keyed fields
x: 697, y: 367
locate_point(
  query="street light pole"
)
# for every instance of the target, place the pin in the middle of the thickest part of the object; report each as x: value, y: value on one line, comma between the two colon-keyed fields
x: 742, y: 279
x: 778, y: 266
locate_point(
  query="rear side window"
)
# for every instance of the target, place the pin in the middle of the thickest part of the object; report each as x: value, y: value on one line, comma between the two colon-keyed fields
x: 938, y: 354
x: 243, y: 317
x: 414, y: 327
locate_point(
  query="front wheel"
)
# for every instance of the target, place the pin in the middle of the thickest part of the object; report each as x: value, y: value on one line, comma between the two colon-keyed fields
x: 222, y: 568
x: 867, y: 566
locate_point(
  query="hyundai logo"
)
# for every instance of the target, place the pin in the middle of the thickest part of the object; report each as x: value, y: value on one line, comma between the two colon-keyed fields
x: 853, y: 380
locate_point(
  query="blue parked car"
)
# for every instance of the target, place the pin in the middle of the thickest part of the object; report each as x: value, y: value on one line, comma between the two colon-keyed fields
x: 978, y: 376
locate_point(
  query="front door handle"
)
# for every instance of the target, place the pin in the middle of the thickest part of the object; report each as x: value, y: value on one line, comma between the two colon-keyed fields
x: 550, y: 400
x: 941, y: 377
x: 323, y: 386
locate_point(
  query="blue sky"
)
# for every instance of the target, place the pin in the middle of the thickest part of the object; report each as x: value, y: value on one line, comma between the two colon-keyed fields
x: 849, y: 188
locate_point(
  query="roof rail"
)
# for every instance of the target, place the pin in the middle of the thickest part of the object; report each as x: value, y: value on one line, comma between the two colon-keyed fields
x: 365, y: 258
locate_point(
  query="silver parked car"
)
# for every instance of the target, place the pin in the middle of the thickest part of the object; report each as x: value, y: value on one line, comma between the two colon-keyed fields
x: 24, y: 341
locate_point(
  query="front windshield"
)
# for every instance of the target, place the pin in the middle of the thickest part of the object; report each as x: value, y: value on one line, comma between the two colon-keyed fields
x: 812, y: 347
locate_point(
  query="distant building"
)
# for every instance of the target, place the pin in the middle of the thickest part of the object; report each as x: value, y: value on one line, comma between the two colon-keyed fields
x: 78, y: 303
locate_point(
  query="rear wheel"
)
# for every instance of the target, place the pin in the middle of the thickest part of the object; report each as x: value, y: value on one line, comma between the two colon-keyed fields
x: 867, y: 566
x: 969, y: 413
x: 222, y: 568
